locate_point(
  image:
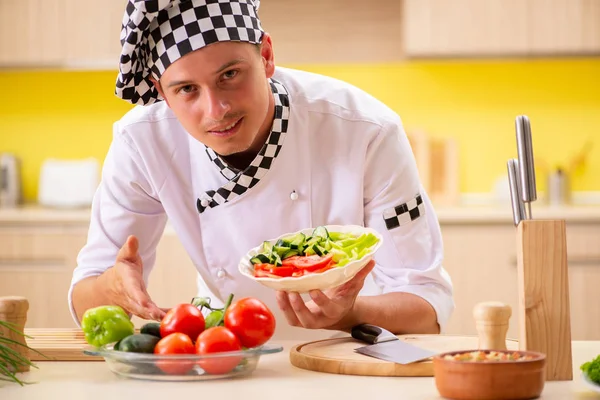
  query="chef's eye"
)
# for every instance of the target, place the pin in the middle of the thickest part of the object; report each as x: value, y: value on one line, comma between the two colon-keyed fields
x: 230, y: 74
x: 186, y: 89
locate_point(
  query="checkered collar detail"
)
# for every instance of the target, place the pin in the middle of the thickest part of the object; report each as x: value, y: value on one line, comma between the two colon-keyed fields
x: 156, y: 33
x: 242, y: 181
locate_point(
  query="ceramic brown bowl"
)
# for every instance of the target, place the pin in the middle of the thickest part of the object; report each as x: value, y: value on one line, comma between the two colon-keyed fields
x: 511, y: 379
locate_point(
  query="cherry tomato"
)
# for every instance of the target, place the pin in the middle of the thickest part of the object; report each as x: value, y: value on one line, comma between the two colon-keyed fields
x: 175, y: 343
x: 310, y: 263
x: 216, y: 340
x: 251, y: 321
x: 183, y: 318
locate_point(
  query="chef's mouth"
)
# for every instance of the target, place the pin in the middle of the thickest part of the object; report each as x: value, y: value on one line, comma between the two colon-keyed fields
x: 227, y: 130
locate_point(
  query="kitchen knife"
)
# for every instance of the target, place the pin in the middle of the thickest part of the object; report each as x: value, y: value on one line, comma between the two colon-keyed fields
x: 384, y: 345
x: 526, y: 164
x: 515, y: 191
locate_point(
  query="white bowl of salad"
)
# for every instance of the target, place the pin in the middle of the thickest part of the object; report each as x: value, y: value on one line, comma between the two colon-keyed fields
x: 314, y: 258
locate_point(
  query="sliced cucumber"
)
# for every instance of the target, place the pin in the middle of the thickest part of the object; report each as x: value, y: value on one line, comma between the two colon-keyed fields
x: 320, y: 231
x: 259, y: 259
x: 298, y: 241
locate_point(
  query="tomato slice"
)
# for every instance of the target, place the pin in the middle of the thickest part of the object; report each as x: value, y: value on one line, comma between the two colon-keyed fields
x: 329, y: 266
x: 310, y: 263
x: 271, y: 271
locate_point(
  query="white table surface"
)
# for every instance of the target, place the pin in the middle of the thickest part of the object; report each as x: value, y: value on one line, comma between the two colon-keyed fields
x: 274, y: 378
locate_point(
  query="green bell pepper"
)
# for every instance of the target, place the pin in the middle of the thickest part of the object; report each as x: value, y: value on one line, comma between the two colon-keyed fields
x: 106, y: 324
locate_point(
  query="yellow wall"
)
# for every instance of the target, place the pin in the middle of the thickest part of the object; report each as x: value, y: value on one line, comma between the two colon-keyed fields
x: 70, y: 114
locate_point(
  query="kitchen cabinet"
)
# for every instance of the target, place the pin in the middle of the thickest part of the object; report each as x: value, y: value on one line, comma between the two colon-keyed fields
x: 36, y: 262
x: 333, y: 31
x: 82, y: 35
x: 474, y: 28
x: 79, y: 34
x: 31, y: 32
x: 583, y: 255
x: 92, y: 33
x: 481, y: 259
x: 60, y: 33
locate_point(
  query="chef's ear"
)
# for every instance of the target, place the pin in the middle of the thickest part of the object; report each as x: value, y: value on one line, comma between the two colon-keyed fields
x: 159, y: 89
x: 266, y: 53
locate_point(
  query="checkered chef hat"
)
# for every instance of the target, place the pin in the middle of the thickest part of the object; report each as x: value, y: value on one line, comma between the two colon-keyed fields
x: 155, y: 33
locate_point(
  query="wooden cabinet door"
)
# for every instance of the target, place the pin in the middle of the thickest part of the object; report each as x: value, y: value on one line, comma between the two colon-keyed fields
x: 31, y: 32
x: 333, y: 31
x: 475, y: 28
x: 564, y: 26
x: 37, y: 263
x: 92, y: 32
x: 438, y: 28
x: 480, y: 261
x: 583, y: 258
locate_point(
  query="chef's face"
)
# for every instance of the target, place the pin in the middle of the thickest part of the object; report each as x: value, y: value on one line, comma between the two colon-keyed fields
x: 221, y: 95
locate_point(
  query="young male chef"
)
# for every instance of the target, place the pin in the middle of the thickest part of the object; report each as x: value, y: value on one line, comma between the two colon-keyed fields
x: 233, y: 150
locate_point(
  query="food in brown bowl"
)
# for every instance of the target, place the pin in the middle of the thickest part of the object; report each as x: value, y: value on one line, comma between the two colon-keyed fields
x: 489, y: 374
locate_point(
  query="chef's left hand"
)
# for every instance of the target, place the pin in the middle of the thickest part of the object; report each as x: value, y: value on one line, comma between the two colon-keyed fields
x: 327, y: 308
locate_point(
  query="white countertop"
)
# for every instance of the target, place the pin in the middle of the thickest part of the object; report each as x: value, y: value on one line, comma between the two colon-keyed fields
x: 446, y: 215
x: 275, y: 378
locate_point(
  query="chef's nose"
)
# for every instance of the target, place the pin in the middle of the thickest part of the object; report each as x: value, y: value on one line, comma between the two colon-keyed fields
x: 216, y: 105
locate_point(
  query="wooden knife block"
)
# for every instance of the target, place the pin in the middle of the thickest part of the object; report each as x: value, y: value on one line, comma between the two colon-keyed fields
x: 544, y: 306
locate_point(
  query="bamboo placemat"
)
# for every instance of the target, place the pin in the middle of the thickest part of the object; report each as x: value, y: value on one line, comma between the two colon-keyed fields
x: 58, y: 344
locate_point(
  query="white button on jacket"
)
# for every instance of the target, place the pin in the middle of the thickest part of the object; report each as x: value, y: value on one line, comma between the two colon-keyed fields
x: 343, y: 150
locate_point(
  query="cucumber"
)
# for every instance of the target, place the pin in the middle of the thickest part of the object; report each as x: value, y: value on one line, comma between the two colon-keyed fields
x: 321, y: 232
x: 139, y: 343
x: 259, y: 259
x: 151, y: 328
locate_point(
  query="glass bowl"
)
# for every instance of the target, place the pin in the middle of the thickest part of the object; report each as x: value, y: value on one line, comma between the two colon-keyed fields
x: 182, y: 367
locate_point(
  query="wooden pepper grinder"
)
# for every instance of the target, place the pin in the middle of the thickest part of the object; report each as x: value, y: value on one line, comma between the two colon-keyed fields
x: 13, y: 309
x: 491, y: 321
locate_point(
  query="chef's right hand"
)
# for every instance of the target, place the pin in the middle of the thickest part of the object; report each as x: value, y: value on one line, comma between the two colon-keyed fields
x: 124, y: 283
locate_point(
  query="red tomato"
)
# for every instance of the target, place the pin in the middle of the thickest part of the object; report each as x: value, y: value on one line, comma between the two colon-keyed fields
x: 175, y: 343
x: 183, y: 318
x: 251, y: 321
x: 216, y: 340
x: 310, y: 263
x: 270, y: 269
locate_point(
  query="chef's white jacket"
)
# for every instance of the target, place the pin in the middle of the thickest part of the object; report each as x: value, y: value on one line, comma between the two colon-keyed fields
x: 335, y: 155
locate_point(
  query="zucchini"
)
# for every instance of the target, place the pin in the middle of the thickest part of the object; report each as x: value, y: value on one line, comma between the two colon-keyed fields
x: 138, y: 343
x: 151, y: 328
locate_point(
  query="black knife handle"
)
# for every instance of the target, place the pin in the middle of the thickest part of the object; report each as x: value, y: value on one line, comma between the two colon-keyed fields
x: 371, y: 334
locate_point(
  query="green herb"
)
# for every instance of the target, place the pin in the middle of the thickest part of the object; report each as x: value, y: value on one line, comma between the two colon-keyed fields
x: 11, y: 360
x: 592, y: 369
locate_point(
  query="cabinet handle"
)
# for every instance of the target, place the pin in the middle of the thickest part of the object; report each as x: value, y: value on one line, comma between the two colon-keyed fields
x: 571, y: 261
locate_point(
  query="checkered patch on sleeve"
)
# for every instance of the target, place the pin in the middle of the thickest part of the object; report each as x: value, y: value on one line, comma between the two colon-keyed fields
x: 404, y: 213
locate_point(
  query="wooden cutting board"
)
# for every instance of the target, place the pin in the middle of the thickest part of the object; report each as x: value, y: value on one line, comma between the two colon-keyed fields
x: 337, y: 356
x: 58, y: 345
